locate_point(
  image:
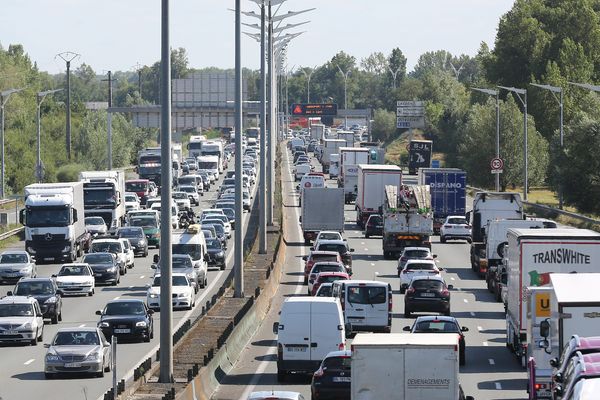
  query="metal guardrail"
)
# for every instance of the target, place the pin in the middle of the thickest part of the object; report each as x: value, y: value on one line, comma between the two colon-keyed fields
x: 550, y: 209
x: 10, y: 233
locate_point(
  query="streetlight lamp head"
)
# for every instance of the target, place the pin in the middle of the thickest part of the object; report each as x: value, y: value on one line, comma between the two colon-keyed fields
x: 491, y: 92
x: 586, y: 86
x: 554, y: 89
x: 513, y: 89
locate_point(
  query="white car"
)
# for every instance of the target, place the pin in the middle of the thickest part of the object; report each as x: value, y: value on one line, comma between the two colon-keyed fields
x: 174, y: 216
x: 21, y: 320
x: 414, y: 253
x: 192, y: 194
x: 414, y: 268
x: 132, y: 201
x: 224, y: 219
x: 210, y: 211
x: 182, y: 200
x: 328, y: 235
x: 455, y: 227
x: 16, y: 264
x: 76, y: 278
x: 181, y: 290
x: 129, y: 253
x: 183, y: 264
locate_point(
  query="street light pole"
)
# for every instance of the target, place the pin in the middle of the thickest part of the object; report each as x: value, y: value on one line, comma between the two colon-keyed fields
x: 4, y: 96
x: 523, y: 100
x: 239, y: 211
x: 39, y: 169
x: 559, y: 99
x: 308, y: 75
x: 166, y: 273
x: 345, y: 75
x: 67, y: 57
x: 496, y: 94
x: 262, y: 245
x: 394, y: 75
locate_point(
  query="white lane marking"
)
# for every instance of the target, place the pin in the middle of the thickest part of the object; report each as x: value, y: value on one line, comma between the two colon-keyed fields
x: 29, y: 361
x: 117, y: 298
x: 372, y: 264
x: 479, y: 328
x: 363, y: 243
x: 451, y: 278
x: 259, y: 371
x: 465, y: 300
x: 82, y: 326
x: 472, y: 313
x: 131, y: 287
x: 491, y: 361
x: 485, y: 344
x: 366, y: 249
x: 142, y: 277
x: 498, y: 386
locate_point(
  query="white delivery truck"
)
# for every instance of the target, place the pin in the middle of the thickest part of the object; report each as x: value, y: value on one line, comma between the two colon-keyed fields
x: 213, y: 148
x: 534, y: 254
x: 322, y: 210
x: 334, y: 166
x: 330, y: 146
x: 317, y: 131
x: 350, y: 157
x: 210, y: 163
x: 372, y: 179
x: 103, y: 196
x: 569, y: 306
x: 54, y: 221
x: 308, y: 329
x: 405, y: 366
x: 195, y: 145
x: 191, y: 241
x: 347, y: 136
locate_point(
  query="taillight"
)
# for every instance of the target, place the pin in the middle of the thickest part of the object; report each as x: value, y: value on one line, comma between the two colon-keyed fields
x: 318, y: 373
x: 445, y: 292
x: 390, y: 301
x: 403, y: 258
x: 341, y: 346
x: 410, y: 290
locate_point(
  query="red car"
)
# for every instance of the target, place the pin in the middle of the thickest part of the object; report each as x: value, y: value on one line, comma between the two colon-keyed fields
x: 317, y: 256
x: 328, y: 277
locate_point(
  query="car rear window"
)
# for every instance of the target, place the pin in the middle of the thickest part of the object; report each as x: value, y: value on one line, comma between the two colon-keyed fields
x: 457, y: 221
x: 436, y: 326
x: 327, y: 268
x: 324, y: 257
x: 337, y: 363
x: 366, y: 294
x: 339, y: 248
x: 419, y: 266
x: 416, y: 254
x: 424, y: 284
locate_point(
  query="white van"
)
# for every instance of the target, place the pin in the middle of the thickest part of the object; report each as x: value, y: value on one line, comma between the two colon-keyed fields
x: 192, y: 242
x: 210, y: 163
x: 367, y: 305
x: 308, y: 329
x: 174, y: 212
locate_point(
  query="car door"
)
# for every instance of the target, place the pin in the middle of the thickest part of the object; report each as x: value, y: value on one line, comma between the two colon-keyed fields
x: 326, y: 330
x: 377, y: 307
x: 355, y: 304
x: 294, y: 334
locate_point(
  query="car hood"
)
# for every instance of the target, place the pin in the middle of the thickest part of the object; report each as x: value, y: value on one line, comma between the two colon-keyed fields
x: 174, y: 289
x: 15, y: 322
x: 122, y: 318
x: 81, y: 350
x: 214, y: 251
x: 101, y: 267
x: 15, y: 266
x: 74, y: 279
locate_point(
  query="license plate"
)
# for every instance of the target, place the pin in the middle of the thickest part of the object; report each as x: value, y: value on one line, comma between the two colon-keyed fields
x: 341, y: 379
x: 72, y: 365
x: 10, y: 275
x: 296, y: 349
x: 427, y: 294
x: 97, y: 274
x: 122, y: 330
x: 10, y: 332
x: 543, y: 394
x: 48, y: 259
x: 355, y: 319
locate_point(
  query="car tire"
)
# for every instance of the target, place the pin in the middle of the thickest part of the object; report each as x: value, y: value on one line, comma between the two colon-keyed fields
x: 281, y: 375
x: 402, y: 289
x: 48, y: 376
x: 147, y: 338
x: 462, y: 358
x: 305, y: 281
x: 222, y: 267
x: 407, y: 313
x: 41, y: 337
x: 442, y: 239
x: 152, y: 334
x: 146, y: 252
x: 54, y: 319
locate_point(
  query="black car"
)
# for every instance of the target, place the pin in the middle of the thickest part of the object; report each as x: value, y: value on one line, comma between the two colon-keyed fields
x: 374, y: 226
x: 440, y: 324
x: 127, y: 318
x: 427, y: 293
x: 216, y: 254
x: 136, y: 237
x: 45, y: 291
x: 332, y: 379
x: 220, y: 231
x: 105, y: 267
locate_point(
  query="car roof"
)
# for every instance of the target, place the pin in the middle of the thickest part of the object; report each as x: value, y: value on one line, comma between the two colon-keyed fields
x: 436, y: 318
x: 339, y: 353
x: 75, y: 265
x: 17, y: 300
x: 323, y: 253
x: 105, y: 240
x: 417, y: 248
x: 322, y: 274
x: 335, y: 232
x: 126, y: 301
x: 13, y: 252
x: 332, y: 241
x: 78, y: 329
x: 327, y: 263
x: 36, y: 279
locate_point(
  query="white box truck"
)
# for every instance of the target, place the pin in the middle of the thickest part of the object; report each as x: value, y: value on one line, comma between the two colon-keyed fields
x: 405, y: 366
x: 54, y: 221
x: 322, y: 210
x: 347, y: 136
x: 350, y: 157
x: 534, y: 254
x: 330, y: 146
x: 372, y: 179
x: 317, y: 131
x: 569, y: 306
x: 104, y: 196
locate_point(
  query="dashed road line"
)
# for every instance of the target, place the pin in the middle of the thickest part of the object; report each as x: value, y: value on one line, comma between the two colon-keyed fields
x: 485, y: 344
x: 82, y: 326
x: 117, y: 298
x: 479, y: 328
x: 29, y: 361
x: 491, y: 361
x: 372, y: 264
x: 498, y: 386
x: 472, y: 313
x: 465, y: 300
x: 452, y: 279
x: 142, y: 277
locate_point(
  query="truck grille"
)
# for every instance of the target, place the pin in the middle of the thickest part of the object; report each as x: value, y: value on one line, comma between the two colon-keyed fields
x: 48, y: 238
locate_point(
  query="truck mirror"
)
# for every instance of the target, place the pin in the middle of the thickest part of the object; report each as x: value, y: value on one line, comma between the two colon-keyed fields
x: 554, y: 362
x: 545, y: 329
x: 22, y: 217
x: 276, y: 327
x: 543, y: 344
x: 468, y: 217
x: 155, y: 258
x: 406, y: 328
x: 75, y: 219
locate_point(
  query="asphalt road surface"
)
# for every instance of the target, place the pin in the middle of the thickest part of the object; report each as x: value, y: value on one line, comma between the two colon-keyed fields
x: 491, y: 371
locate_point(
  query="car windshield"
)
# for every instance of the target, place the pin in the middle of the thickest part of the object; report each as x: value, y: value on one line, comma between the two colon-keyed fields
x: 213, y: 244
x: 218, y: 228
x: 229, y: 213
x: 106, y: 247
x: 426, y: 284
x: 331, y: 278
x: 76, y: 339
x: 125, y: 308
x: 98, y: 259
x: 33, y: 288
x: 144, y: 222
x: 337, y: 363
x: 192, y: 250
x: 324, y: 291
x: 182, y: 262
x: 179, y: 195
x: 73, y: 270
x: 318, y: 268
x: 457, y: 221
x: 436, y: 326
x: 176, y: 280
x: 339, y: 248
x: 13, y: 258
x: 131, y: 233
x: 136, y: 186
x: 130, y: 199
x: 187, y: 189
x: 375, y: 220
x: 366, y: 294
x: 416, y: 254
x: 329, y: 236
x: 419, y: 266
x: 16, y: 310
x: 94, y: 221
x: 47, y: 216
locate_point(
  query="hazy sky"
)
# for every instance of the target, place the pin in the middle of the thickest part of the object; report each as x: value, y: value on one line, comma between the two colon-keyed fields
x: 118, y: 34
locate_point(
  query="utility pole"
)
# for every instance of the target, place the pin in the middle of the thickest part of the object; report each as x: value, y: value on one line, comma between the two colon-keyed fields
x: 166, y: 305
x: 345, y: 75
x: 138, y: 69
x: 67, y: 57
x: 109, y: 116
x: 523, y: 100
x: 239, y: 211
x: 262, y: 242
x: 4, y: 96
x: 39, y: 169
x: 271, y: 121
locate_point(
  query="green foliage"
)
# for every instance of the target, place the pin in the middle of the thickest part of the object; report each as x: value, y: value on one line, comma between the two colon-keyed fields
x: 70, y: 172
x: 384, y: 125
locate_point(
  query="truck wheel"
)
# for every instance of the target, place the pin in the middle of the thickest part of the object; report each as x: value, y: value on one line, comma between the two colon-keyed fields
x: 407, y: 313
x: 366, y: 235
x: 442, y: 239
x: 280, y: 376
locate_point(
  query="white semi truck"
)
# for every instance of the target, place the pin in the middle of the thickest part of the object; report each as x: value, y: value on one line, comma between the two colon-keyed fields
x: 330, y: 146
x: 104, y: 196
x: 194, y: 146
x: 372, y: 179
x: 54, y: 221
x: 534, y: 254
x: 322, y: 210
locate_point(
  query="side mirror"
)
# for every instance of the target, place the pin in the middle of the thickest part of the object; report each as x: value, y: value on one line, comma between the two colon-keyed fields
x: 155, y: 258
x: 450, y: 287
x: 9, y: 293
x: 276, y: 327
x: 441, y: 268
x: 545, y: 328
x: 304, y: 258
x: 351, y: 250
x: 148, y: 286
x: 47, y: 345
x: 22, y: 217
x: 464, y: 329
x: 435, y: 256
x: 406, y: 328
x: 206, y: 258
x: 75, y: 219
x: 98, y: 312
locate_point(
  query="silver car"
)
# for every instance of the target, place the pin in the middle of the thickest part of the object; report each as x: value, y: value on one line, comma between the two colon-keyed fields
x: 15, y: 265
x: 78, y: 350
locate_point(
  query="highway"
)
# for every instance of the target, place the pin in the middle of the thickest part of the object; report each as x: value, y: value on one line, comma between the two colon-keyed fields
x: 23, y: 376
x: 491, y: 371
